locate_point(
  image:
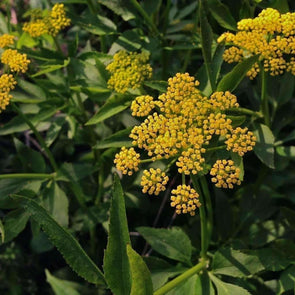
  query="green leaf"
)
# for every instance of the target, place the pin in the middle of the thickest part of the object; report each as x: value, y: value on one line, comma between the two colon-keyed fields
x: 286, y: 88
x: 32, y: 88
x: 116, y: 264
x: 287, y: 279
x: 140, y: 274
x: 161, y: 270
x: 54, y: 130
x: 118, y: 139
x: 231, y: 80
x: 51, y: 68
x: 14, y: 223
x: 161, y: 86
x: 2, y: 232
x: 226, y: 288
x: 204, y: 285
x: 238, y: 160
x: 119, y: 7
x: 114, y: 105
x: 264, y: 148
x: 60, y: 287
x: 286, y: 151
x: 289, y: 214
x: 222, y: 14
x: 189, y: 286
x: 56, y: 203
x: 206, y: 41
x: 66, y: 244
x: 172, y: 243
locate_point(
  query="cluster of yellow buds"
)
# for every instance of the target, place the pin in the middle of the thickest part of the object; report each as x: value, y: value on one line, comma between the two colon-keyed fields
x: 185, y: 200
x: 128, y: 70
x: 225, y: 174
x: 270, y: 35
x: 181, y: 128
x: 7, y: 83
x: 16, y: 61
x: 49, y: 22
x: 6, y: 40
x: 153, y: 181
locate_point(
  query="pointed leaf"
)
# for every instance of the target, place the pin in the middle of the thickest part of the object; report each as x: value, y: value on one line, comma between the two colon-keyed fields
x: 231, y: 80
x: 116, y: 264
x: 2, y: 232
x: 114, y: 105
x: 140, y: 274
x: 172, y: 243
x: 264, y: 148
x: 60, y: 287
x: 67, y: 245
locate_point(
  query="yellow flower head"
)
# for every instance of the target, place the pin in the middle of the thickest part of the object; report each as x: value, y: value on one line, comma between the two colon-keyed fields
x: 185, y: 200
x: 217, y: 124
x: 36, y: 28
x: 16, y: 61
x: 153, y: 181
x: 7, y: 83
x: 223, y: 100
x: 127, y: 160
x: 6, y: 40
x: 128, y: 70
x: 269, y: 35
x: 142, y: 105
x: 240, y: 141
x: 57, y: 19
x: 225, y: 174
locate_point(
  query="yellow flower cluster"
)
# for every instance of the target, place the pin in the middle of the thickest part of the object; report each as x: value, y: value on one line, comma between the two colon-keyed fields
x: 6, y: 40
x: 240, y: 141
x: 51, y: 23
x: 7, y: 83
x: 223, y: 100
x: 127, y: 160
x: 142, y: 105
x: 270, y: 35
x: 225, y: 174
x: 153, y: 181
x: 128, y: 70
x: 16, y: 61
x: 185, y: 200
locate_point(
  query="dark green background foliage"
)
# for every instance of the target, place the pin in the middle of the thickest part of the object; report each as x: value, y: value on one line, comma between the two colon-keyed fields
x: 56, y: 237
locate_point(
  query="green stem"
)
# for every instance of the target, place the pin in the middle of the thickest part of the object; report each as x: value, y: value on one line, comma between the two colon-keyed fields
x: 184, y: 276
x: 203, y: 219
x: 205, y: 189
x: 245, y: 111
x: 27, y: 175
x: 264, y: 101
x: 38, y: 136
x: 149, y: 21
x: 221, y: 147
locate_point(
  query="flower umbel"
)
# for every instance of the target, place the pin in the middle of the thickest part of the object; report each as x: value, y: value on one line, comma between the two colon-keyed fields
x: 153, y: 181
x: 6, y: 40
x: 127, y: 160
x: 7, y: 83
x: 185, y: 200
x: 16, y: 61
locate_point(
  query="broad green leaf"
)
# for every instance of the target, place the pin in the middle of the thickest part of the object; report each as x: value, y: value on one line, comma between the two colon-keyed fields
x: 14, y: 223
x: 226, y: 288
x: 222, y: 14
x: 172, y: 243
x: 74, y: 172
x: 264, y: 148
x: 32, y: 88
x: 98, y: 25
x: 116, y: 264
x: 188, y: 286
x: 161, y: 86
x: 56, y: 203
x: 281, y: 5
x: 40, y: 242
x: 118, y: 139
x: 60, y: 287
x: 140, y: 274
x: 91, y: 90
x: 206, y: 41
x: 3, y: 24
x: 114, y: 105
x: 287, y: 279
x: 26, y: 40
x: 161, y: 270
x: 231, y: 80
x: 54, y: 130
x: 17, y: 124
x: 286, y: 151
x: 51, y: 68
x: 2, y: 232
x: 119, y: 7
x: 237, y: 120
x: 286, y: 88
x: 67, y: 245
